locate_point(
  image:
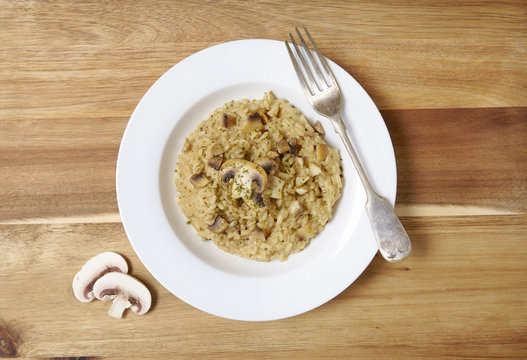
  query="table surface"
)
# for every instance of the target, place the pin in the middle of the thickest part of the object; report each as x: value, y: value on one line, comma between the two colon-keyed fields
x: 450, y: 79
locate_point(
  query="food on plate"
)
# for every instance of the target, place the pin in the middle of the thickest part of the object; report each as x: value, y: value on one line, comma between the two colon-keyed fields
x: 92, y: 270
x: 125, y: 292
x: 257, y: 179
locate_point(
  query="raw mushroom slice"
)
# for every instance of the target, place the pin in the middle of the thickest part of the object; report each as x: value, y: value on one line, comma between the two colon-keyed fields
x: 125, y: 291
x: 92, y: 270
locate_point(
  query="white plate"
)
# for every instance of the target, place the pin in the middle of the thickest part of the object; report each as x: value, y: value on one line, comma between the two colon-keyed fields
x: 199, y: 273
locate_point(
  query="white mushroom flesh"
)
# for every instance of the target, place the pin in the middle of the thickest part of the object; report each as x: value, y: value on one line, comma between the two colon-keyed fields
x: 275, y: 186
x: 92, y: 270
x: 125, y: 291
x: 245, y: 174
x: 314, y: 170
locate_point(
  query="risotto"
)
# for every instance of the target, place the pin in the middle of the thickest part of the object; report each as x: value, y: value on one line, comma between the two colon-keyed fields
x: 257, y: 179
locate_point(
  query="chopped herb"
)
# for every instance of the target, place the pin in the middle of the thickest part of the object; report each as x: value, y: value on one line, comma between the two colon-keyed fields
x: 188, y: 222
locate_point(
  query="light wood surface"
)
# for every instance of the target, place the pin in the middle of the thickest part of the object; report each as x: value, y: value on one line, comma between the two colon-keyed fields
x: 450, y: 79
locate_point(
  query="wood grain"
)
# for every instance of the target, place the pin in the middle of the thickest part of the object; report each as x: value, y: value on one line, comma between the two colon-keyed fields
x: 464, y: 157
x: 394, y: 309
x: 450, y: 78
x: 468, y: 55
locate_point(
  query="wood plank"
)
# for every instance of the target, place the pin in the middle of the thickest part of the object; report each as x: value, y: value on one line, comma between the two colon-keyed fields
x: 466, y: 157
x: 462, y: 293
x: 60, y: 58
x: 463, y: 157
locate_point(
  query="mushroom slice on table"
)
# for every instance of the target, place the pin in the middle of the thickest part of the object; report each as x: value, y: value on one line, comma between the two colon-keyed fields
x: 125, y: 291
x: 247, y: 177
x: 92, y: 270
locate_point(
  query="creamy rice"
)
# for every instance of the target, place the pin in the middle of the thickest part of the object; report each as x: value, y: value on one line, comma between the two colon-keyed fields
x: 257, y: 179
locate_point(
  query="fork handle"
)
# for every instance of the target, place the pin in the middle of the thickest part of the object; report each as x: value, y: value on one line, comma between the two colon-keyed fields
x: 392, y: 239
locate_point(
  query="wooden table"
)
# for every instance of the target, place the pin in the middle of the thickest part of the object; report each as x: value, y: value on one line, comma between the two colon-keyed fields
x: 450, y: 78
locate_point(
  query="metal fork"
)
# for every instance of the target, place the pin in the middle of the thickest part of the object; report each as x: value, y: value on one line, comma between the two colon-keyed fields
x: 324, y: 95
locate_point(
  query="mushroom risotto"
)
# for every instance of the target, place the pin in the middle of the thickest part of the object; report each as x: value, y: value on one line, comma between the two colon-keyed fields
x: 257, y: 179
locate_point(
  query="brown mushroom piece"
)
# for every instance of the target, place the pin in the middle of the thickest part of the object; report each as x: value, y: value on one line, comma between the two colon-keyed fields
x: 275, y: 186
x: 293, y: 146
x: 258, y: 234
x: 247, y: 177
x: 253, y: 122
x: 295, y: 208
x: 267, y: 164
x: 228, y: 121
x: 259, y: 200
x: 282, y: 147
x: 216, y: 162
x: 319, y: 129
x: 125, y: 291
x: 322, y: 152
x: 314, y: 170
x: 214, y: 150
x: 92, y: 270
x: 219, y: 225
x: 304, y: 233
x: 199, y: 180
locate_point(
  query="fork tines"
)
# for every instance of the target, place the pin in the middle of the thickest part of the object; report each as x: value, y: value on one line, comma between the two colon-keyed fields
x: 322, y: 81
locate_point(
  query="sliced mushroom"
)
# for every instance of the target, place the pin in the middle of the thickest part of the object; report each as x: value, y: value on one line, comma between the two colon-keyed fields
x: 228, y: 121
x: 219, y: 225
x: 301, y: 180
x: 258, y: 234
x: 216, y: 162
x: 259, y: 200
x: 214, y: 150
x: 187, y: 145
x: 282, y: 147
x: 125, y: 291
x: 322, y: 152
x: 295, y: 208
x: 304, y: 233
x: 92, y: 270
x: 237, y: 202
x: 253, y: 122
x: 247, y: 176
x: 319, y: 129
x: 293, y: 146
x: 275, y: 186
x: 314, y: 170
x: 267, y: 164
x: 199, y: 180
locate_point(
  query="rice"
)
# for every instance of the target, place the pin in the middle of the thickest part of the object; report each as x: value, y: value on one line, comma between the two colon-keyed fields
x: 257, y: 179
